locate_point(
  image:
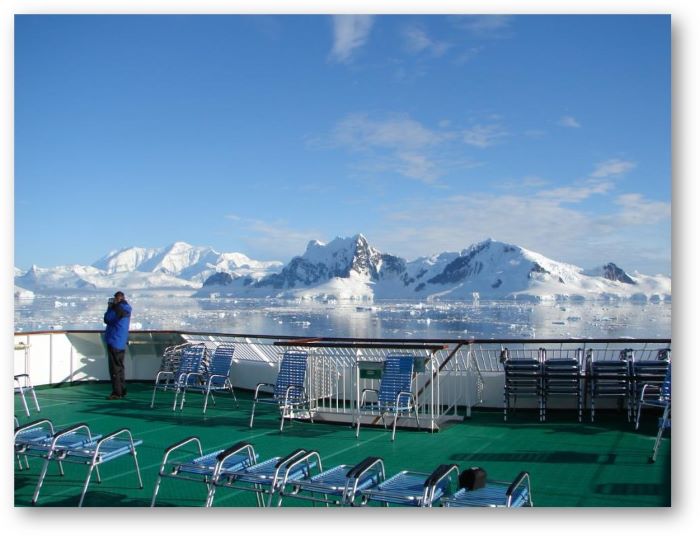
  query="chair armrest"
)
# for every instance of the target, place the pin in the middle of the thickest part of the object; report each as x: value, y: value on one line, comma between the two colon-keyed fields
x: 34, y: 424
x: 262, y: 385
x: 364, y: 466
x: 235, y: 449
x: 523, y: 477
x: 364, y: 392
x: 440, y: 474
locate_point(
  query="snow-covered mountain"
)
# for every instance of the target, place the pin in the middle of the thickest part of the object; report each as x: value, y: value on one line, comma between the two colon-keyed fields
x: 351, y: 268
x: 179, y: 265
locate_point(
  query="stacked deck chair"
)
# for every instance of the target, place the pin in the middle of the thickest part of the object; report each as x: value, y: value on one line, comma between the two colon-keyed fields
x: 648, y: 379
x: 476, y: 491
x: 290, y: 391
x: 190, y: 366
x: 561, y: 378
x: 411, y: 488
x: 523, y: 379
x: 24, y: 385
x: 339, y: 486
x: 76, y: 444
x: 214, y: 378
x: 200, y: 467
x: 268, y: 477
x: 609, y: 379
x: 394, y: 394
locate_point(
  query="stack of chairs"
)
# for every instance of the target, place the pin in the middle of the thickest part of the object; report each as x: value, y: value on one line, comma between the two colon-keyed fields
x: 190, y: 366
x: 561, y: 377
x: 609, y: 379
x: 290, y: 391
x: 76, y: 444
x: 394, y: 394
x: 523, y: 379
x: 213, y: 376
x: 24, y: 385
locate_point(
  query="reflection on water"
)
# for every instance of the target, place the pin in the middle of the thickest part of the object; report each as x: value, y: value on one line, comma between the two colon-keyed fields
x: 178, y: 311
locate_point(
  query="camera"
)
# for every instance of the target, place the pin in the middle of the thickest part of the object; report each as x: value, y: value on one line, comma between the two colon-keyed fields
x: 110, y: 301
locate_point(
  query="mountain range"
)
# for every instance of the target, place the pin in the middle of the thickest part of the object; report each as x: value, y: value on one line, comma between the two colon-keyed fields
x: 350, y: 268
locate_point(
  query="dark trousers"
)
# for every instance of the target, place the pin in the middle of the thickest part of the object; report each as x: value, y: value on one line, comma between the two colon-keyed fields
x: 116, y: 370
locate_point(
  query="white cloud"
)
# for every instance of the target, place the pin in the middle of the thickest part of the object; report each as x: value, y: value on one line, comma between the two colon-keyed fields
x: 636, y: 210
x: 350, y: 32
x: 486, y: 26
x: 612, y: 167
x: 397, y: 132
x: 568, y: 121
x: 274, y: 239
x: 417, y: 41
x: 484, y: 135
x: 575, y: 193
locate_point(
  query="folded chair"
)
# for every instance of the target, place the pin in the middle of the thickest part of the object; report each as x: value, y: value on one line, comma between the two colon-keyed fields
x: 409, y: 488
x: 289, y: 391
x: 78, y: 445
x: 202, y: 468
x: 214, y: 377
x: 562, y: 378
x: 23, y: 385
x: 523, y: 378
x: 189, y: 366
x: 394, y: 394
x: 268, y: 477
x: 338, y: 486
x: 495, y: 493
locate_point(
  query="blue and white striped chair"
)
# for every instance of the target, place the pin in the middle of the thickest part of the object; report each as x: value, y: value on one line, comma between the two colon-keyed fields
x: 410, y: 488
x: 338, y: 486
x: 202, y: 468
x: 289, y: 391
x: 214, y: 377
x: 657, y: 397
x: 394, y: 394
x: 189, y: 367
x: 268, y: 477
x: 495, y: 494
x: 652, y: 385
x: 77, y: 444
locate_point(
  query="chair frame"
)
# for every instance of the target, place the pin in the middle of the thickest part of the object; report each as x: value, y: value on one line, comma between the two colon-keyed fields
x: 207, y: 379
x: 383, y: 494
x: 20, y: 389
x: 176, y: 379
x: 461, y: 497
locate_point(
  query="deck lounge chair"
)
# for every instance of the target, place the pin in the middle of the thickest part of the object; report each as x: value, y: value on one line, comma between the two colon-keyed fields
x: 655, y: 396
x: 36, y: 432
x: 394, y: 394
x: 189, y: 366
x: 214, y: 377
x: 268, y: 477
x: 495, y: 494
x: 562, y: 378
x: 24, y: 385
x: 77, y: 444
x: 289, y: 391
x: 410, y: 488
x: 338, y: 486
x: 650, y: 384
x: 203, y: 468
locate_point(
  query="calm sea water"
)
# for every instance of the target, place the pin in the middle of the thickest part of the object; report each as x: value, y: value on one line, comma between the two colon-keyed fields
x: 177, y: 310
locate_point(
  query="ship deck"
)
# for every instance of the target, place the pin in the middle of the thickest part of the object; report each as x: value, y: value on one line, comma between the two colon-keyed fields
x: 571, y: 464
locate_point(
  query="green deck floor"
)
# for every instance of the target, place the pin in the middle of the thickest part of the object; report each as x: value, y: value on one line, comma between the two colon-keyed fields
x: 571, y: 464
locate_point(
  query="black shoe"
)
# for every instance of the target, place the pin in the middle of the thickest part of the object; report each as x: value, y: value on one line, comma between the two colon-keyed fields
x: 114, y: 397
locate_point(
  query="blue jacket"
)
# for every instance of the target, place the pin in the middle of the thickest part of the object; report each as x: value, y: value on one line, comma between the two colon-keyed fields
x: 117, y: 319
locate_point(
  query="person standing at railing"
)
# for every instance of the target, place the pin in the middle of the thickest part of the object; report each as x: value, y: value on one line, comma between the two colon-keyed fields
x: 117, y: 318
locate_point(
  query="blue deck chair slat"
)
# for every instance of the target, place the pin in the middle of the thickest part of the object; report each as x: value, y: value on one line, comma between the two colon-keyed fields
x: 491, y: 495
x: 404, y: 488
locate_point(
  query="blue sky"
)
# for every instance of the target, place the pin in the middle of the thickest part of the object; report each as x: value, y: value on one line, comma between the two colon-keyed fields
x: 425, y: 133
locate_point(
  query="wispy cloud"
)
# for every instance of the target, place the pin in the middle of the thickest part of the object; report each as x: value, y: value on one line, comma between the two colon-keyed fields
x: 635, y: 209
x: 568, y: 121
x: 417, y: 41
x: 486, y: 26
x: 274, y: 239
x: 350, y: 32
x: 484, y: 135
x: 359, y: 131
x: 612, y: 167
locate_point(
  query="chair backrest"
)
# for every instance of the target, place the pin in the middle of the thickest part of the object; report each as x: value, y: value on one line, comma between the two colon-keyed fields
x: 191, y: 359
x: 666, y: 386
x: 220, y: 362
x: 292, y: 374
x: 396, y: 377
x: 650, y: 372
